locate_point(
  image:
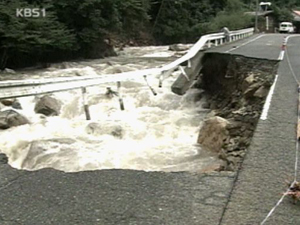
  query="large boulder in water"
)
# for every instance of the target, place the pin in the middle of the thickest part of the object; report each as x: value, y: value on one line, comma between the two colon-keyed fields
x: 48, y: 106
x: 213, y: 133
x: 11, y: 118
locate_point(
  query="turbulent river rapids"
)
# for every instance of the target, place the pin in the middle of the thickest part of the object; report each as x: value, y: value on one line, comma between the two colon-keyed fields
x: 153, y: 133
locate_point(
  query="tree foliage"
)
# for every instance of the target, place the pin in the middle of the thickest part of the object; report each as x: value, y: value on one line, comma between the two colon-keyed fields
x: 78, y: 28
x: 26, y: 35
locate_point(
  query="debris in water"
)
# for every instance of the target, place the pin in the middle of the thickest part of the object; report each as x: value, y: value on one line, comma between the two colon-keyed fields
x: 110, y: 93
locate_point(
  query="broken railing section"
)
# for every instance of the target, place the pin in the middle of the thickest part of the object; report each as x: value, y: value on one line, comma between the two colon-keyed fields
x: 151, y: 88
x: 160, y: 81
x: 188, y: 75
x: 192, y: 59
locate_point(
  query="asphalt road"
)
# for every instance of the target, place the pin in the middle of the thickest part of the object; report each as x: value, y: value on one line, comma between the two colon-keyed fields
x: 264, y: 46
x: 134, y: 197
x: 270, y: 160
x: 119, y: 197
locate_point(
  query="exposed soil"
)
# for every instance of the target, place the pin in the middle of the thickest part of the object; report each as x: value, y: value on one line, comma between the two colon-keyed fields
x: 236, y: 89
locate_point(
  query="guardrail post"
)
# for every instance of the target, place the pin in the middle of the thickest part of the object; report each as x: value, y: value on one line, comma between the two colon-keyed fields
x: 160, y: 80
x: 152, y: 90
x: 120, y: 96
x: 85, y: 105
x: 189, y: 65
x: 216, y: 42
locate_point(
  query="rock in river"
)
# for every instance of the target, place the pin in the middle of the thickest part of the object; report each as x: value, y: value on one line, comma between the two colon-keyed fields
x: 11, y: 118
x: 3, y: 159
x: 48, y: 106
x: 213, y: 133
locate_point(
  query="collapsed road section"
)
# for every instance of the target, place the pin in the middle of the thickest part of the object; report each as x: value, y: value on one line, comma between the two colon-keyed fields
x: 235, y: 90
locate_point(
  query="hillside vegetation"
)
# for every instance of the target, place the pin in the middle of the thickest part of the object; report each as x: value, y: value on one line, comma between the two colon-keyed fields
x: 88, y: 28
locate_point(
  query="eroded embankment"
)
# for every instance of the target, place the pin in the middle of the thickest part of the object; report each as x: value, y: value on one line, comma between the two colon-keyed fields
x: 236, y: 89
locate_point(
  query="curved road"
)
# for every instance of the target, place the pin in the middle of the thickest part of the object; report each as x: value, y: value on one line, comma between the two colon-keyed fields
x: 270, y: 160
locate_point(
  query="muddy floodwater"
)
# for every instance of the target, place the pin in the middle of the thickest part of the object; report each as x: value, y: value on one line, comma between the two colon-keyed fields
x: 153, y: 133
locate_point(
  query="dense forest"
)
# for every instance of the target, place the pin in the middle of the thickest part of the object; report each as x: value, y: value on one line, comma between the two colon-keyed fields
x: 65, y: 29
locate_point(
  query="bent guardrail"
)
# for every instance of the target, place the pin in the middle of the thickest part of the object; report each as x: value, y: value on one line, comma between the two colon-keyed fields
x: 18, y: 88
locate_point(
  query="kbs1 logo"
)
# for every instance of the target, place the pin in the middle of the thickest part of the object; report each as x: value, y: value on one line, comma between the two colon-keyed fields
x: 31, y: 12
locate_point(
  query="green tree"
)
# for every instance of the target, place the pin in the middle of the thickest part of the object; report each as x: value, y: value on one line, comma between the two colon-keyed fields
x: 177, y: 20
x: 30, y: 36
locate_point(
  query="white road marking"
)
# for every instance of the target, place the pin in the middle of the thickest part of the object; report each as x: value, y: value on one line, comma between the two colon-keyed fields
x: 281, y: 55
x: 245, y: 43
x: 267, y: 105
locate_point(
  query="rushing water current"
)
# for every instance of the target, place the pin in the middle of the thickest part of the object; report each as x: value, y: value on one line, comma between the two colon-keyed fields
x: 153, y: 133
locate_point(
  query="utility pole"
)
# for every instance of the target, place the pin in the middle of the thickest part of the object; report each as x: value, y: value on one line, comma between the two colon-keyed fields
x: 256, y: 17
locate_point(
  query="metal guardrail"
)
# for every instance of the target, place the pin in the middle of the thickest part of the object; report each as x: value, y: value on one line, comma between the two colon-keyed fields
x: 21, y: 88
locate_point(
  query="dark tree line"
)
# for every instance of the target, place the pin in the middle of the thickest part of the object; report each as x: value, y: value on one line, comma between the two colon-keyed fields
x: 87, y: 28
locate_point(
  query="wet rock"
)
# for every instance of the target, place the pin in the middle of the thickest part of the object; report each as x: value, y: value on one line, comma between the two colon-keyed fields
x: 178, y: 47
x: 9, y: 71
x: 213, y: 133
x: 16, y: 105
x: 262, y: 92
x: 109, y: 128
x: 111, y: 63
x: 11, y: 118
x: 48, y: 106
x: 63, y: 65
x: 118, y: 69
x: 8, y: 102
x: 3, y: 159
